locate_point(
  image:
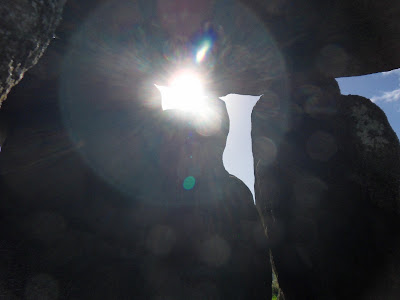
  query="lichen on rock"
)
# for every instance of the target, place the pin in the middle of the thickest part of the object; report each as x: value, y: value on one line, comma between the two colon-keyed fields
x: 378, y: 149
x: 26, y: 28
x: 370, y: 131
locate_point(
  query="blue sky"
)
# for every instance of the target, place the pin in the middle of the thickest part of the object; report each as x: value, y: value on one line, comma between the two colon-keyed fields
x: 238, y: 155
x: 382, y: 88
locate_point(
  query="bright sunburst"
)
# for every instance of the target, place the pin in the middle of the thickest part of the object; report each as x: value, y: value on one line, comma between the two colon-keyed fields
x: 185, y: 93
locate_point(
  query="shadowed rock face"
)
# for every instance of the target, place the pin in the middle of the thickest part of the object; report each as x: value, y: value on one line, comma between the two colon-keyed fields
x: 104, y: 195
x: 339, y: 38
x: 328, y: 187
x: 85, y: 238
x: 94, y: 203
x: 26, y: 28
x: 327, y: 165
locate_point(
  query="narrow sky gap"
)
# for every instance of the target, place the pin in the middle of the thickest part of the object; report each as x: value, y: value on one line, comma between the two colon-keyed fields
x: 238, y: 154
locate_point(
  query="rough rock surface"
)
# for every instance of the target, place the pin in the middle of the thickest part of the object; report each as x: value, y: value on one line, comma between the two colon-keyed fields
x: 92, y: 173
x: 26, y: 28
x: 328, y: 186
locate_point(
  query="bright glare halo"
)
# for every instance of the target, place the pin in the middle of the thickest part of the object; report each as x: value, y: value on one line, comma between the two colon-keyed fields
x: 185, y: 93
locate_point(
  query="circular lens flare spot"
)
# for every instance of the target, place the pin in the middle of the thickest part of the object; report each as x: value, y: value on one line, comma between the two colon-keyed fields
x: 189, y: 183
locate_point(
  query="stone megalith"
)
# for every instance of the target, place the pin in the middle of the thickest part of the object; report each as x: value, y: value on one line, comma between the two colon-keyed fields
x: 329, y: 192
x: 121, y: 200
x: 328, y: 165
x: 26, y: 28
x: 105, y: 196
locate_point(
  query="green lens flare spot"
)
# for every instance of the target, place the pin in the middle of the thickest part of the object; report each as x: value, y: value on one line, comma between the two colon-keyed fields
x: 189, y: 183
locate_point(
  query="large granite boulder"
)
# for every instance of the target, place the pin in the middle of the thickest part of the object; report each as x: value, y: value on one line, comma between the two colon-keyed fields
x: 95, y: 178
x: 328, y: 186
x: 26, y: 28
x: 327, y: 165
x: 339, y: 38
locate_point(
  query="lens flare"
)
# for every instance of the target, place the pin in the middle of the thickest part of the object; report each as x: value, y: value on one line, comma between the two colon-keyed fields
x: 184, y: 93
x: 189, y: 183
x: 201, y: 54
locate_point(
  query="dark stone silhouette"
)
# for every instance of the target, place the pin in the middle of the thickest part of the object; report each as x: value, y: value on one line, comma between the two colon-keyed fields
x: 328, y: 187
x: 26, y: 28
x: 338, y: 38
x: 104, y: 196
x: 327, y: 165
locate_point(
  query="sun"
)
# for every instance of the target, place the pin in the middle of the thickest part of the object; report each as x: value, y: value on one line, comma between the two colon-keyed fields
x: 185, y: 92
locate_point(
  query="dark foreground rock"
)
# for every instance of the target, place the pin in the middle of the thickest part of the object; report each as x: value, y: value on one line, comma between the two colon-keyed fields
x: 69, y: 234
x: 26, y: 28
x: 337, y: 38
x: 328, y: 186
x: 104, y: 195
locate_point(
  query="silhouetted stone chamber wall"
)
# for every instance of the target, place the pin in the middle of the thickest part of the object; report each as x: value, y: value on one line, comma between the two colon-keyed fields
x: 327, y: 165
x: 92, y: 197
x: 329, y: 194
x: 94, y: 201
